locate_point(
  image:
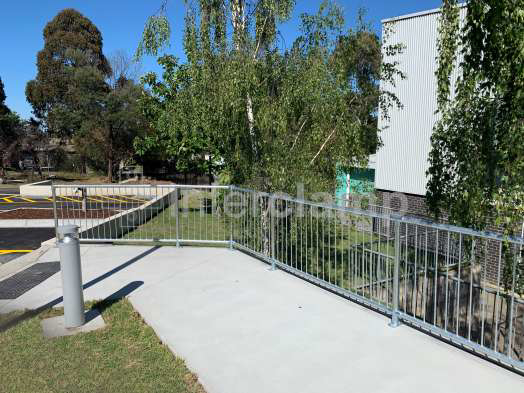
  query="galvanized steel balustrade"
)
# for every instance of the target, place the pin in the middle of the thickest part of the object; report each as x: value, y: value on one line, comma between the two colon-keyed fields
x: 461, y: 285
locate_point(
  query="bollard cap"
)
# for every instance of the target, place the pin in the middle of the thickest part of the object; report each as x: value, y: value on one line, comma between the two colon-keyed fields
x: 64, y: 230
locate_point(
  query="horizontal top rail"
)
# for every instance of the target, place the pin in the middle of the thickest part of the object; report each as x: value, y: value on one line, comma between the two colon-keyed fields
x: 457, y: 229
x: 138, y: 186
x: 103, y: 185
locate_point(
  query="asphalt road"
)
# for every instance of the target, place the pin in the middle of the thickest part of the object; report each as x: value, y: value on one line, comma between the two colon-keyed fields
x: 9, y: 190
x: 15, y: 242
x: 10, y: 201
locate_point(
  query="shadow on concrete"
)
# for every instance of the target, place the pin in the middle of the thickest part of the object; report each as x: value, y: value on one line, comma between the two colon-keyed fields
x: 102, y: 305
x: 120, y: 267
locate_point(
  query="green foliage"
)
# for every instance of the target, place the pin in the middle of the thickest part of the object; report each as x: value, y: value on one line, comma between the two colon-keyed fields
x: 10, y: 128
x: 71, y: 42
x: 183, y: 128
x: 113, y: 120
x: 477, y: 160
x: 448, y: 35
x: 269, y: 118
x: 155, y: 36
x: 3, y: 107
x: 477, y: 157
x: 77, y: 96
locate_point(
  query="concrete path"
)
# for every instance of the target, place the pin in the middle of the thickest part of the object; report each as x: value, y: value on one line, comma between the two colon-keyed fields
x: 245, y: 329
x: 27, y: 223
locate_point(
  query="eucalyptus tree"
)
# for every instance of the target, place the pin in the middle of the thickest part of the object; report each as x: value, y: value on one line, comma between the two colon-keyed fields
x: 271, y: 117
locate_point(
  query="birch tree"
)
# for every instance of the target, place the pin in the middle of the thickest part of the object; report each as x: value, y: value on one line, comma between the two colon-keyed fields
x: 274, y: 116
x: 477, y: 156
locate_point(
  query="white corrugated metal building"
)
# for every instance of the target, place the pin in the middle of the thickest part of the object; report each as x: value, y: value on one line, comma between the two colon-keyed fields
x: 401, y: 163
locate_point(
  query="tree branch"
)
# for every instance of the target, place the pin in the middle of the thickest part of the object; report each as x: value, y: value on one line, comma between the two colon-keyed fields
x: 299, y: 131
x: 260, y: 39
x: 323, y: 145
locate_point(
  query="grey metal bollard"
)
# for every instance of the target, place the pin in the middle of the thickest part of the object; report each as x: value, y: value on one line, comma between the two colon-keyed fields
x: 71, y: 270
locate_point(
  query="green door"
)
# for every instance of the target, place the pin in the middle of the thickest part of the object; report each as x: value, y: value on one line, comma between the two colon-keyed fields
x: 358, y: 181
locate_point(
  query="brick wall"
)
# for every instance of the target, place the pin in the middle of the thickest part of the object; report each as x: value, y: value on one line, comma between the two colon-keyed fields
x: 487, y: 251
x: 409, y: 204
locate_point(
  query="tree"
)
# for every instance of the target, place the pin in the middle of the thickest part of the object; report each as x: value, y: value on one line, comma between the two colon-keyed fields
x: 112, y: 119
x: 33, y: 140
x: 123, y: 66
x: 180, y: 127
x: 71, y: 42
x: 79, y: 97
x: 477, y: 156
x: 273, y: 118
x: 10, y: 125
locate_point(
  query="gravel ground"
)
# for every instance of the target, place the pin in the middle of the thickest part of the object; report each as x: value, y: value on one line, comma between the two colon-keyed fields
x: 48, y: 214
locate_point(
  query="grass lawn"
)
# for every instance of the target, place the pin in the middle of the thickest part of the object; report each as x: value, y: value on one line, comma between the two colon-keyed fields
x: 125, y: 356
x: 192, y: 225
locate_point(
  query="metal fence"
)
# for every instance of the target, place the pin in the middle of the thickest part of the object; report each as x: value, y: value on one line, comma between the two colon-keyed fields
x: 461, y: 285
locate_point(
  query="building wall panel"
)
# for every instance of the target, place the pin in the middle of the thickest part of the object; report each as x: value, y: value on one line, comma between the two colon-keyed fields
x: 402, y: 161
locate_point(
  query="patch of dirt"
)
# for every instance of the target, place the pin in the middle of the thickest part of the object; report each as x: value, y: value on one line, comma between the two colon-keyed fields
x: 149, y: 181
x: 36, y: 214
x: 80, y: 180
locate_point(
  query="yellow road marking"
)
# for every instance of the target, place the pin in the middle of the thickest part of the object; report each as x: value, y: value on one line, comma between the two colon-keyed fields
x: 14, y: 251
x: 96, y: 200
x: 114, y: 199
x: 67, y: 198
x: 26, y: 199
x: 62, y: 198
x: 135, y: 199
x: 25, y: 203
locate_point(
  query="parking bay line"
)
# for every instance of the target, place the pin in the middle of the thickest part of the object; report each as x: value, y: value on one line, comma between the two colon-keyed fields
x: 134, y: 199
x: 26, y: 199
x: 3, y: 252
x: 114, y: 199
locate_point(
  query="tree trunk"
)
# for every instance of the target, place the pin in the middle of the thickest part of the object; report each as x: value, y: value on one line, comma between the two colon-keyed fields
x: 265, y: 218
x: 251, y: 124
x: 110, y: 170
x: 37, y: 164
x: 209, y: 171
x: 110, y: 160
x: 83, y: 166
x: 238, y: 18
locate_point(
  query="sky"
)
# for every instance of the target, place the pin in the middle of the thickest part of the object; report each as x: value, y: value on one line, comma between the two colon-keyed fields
x: 121, y: 23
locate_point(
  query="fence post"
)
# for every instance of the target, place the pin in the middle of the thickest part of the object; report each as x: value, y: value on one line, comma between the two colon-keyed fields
x: 231, y: 215
x: 53, y: 193
x: 394, y: 315
x: 271, y: 202
x: 176, y: 218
